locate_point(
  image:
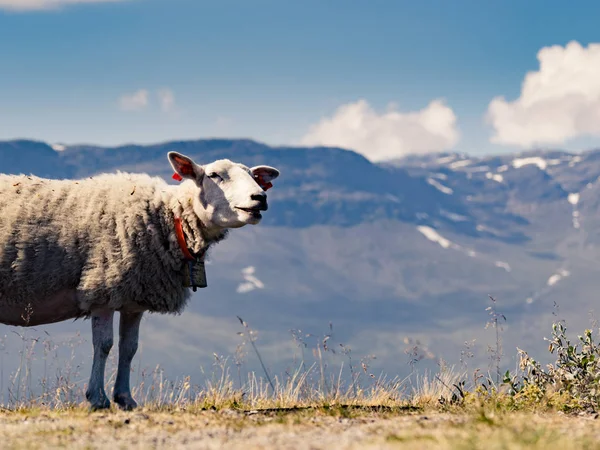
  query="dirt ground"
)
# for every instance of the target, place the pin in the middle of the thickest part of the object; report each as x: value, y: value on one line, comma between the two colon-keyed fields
x: 299, y: 430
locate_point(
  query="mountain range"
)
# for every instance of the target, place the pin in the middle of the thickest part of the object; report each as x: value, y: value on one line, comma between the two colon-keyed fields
x: 374, y: 256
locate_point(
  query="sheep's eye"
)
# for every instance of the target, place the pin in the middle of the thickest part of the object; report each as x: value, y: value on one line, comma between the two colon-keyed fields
x: 215, y: 176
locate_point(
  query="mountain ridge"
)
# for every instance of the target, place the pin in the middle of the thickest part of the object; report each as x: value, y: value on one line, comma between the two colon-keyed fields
x: 384, y: 251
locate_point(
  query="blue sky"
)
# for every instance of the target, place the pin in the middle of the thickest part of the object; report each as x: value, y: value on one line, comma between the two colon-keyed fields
x: 279, y: 72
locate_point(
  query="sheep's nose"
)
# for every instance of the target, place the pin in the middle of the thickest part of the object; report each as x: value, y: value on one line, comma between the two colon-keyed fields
x: 261, y: 198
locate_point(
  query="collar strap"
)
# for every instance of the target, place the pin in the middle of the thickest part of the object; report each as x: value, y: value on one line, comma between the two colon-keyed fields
x: 181, y: 240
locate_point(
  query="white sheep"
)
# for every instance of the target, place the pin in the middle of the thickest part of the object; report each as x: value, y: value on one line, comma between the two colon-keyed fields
x: 88, y: 248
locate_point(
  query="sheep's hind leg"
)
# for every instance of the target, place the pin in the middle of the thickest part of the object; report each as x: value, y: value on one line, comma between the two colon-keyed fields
x: 102, y: 339
x: 129, y: 328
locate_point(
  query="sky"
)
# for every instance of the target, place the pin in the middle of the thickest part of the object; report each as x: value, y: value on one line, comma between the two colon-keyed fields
x: 384, y: 78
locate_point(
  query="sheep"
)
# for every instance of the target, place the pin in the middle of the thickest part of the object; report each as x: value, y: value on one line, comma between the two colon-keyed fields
x: 121, y: 242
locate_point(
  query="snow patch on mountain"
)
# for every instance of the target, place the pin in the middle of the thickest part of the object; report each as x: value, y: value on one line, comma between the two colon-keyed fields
x: 576, y: 223
x: 440, y: 187
x: 536, y: 160
x: 58, y: 147
x: 484, y: 228
x: 557, y: 277
x: 574, y: 160
x: 392, y: 198
x: 434, y: 236
x: 459, y: 164
x: 503, y: 265
x: 494, y: 176
x: 477, y: 169
x: 439, y: 176
x: 445, y: 159
x: 453, y: 216
x: 573, y: 199
x: 250, y: 281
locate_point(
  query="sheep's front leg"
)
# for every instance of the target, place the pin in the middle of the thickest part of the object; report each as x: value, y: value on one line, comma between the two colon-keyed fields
x: 129, y: 328
x: 102, y: 339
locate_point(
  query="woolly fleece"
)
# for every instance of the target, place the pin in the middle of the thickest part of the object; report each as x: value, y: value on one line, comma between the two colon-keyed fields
x: 110, y: 237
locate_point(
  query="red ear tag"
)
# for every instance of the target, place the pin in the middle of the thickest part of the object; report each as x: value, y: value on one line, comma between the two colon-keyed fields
x: 177, y: 177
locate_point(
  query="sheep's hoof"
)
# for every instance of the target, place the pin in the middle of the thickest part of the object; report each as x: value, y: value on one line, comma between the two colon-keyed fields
x: 99, y: 403
x: 125, y: 402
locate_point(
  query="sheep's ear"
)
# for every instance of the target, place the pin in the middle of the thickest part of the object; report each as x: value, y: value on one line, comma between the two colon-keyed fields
x: 264, y: 175
x: 184, y: 167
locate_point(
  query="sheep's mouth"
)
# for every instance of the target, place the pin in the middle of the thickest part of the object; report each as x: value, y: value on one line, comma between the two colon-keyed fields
x: 254, y: 212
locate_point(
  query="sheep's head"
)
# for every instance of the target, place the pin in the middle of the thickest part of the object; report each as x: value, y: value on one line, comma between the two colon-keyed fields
x: 229, y: 195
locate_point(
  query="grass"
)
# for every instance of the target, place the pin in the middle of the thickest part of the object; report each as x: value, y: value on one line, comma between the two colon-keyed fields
x: 472, y: 427
x: 433, y: 412
x: 318, y: 404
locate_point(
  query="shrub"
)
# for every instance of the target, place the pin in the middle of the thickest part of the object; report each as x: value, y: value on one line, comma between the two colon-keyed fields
x: 574, y: 376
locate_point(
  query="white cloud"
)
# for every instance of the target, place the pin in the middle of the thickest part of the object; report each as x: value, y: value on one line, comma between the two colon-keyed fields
x: 388, y: 135
x: 135, y: 101
x: 140, y: 100
x: 560, y: 101
x: 166, y: 98
x: 32, y: 5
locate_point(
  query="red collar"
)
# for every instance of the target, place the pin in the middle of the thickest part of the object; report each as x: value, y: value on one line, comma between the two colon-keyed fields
x: 181, y: 240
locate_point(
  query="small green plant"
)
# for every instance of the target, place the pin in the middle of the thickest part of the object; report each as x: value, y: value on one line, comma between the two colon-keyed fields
x: 575, y: 374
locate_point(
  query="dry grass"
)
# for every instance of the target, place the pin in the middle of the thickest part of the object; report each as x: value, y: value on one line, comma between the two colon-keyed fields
x: 306, y: 429
x: 330, y: 378
x: 427, y: 414
x: 317, y: 405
